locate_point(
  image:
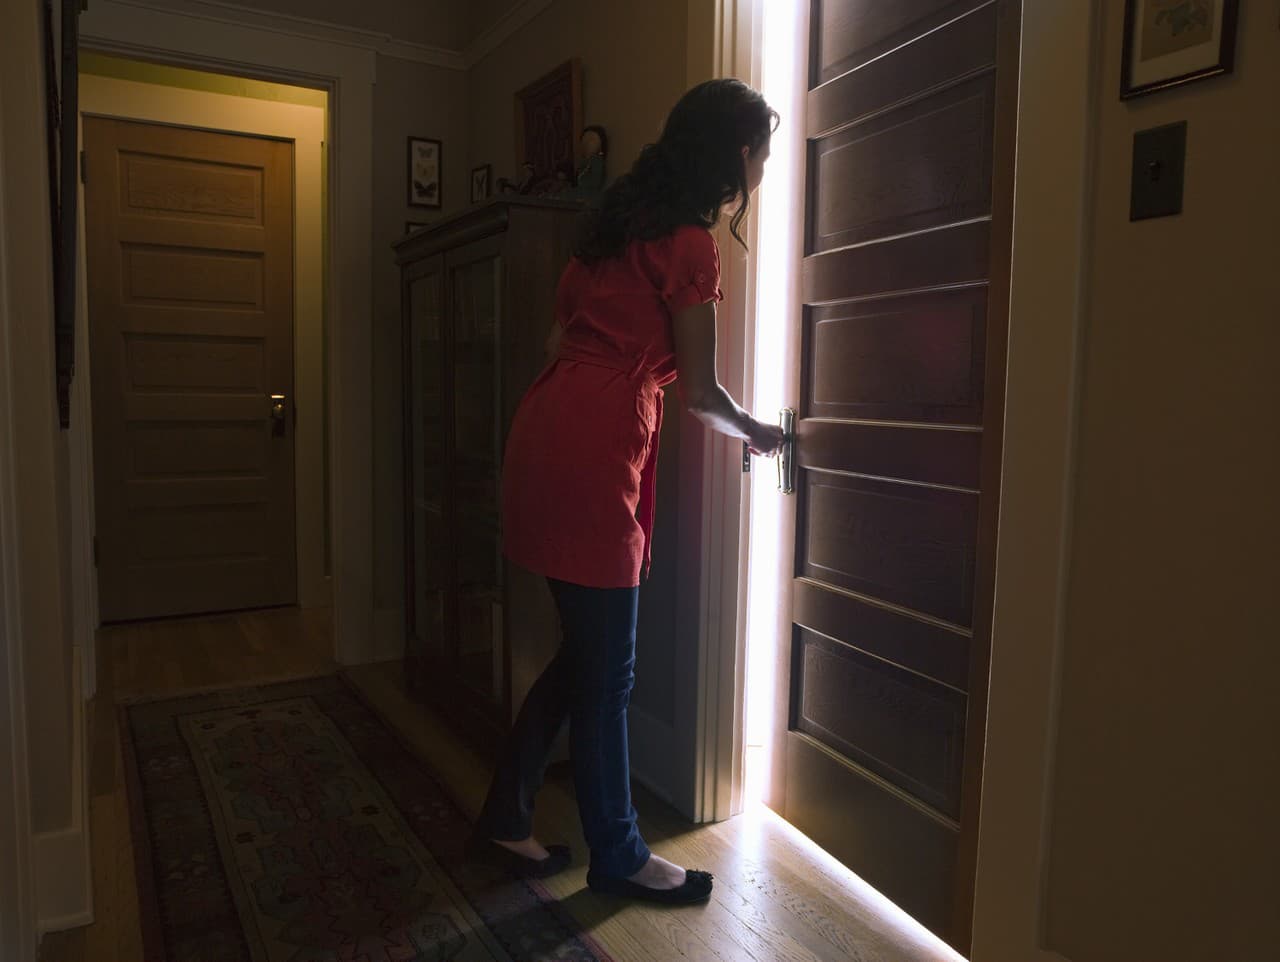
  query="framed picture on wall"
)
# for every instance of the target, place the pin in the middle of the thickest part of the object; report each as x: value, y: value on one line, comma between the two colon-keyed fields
x: 548, y: 121
x: 1172, y: 42
x: 481, y: 186
x: 426, y: 164
x: 412, y: 225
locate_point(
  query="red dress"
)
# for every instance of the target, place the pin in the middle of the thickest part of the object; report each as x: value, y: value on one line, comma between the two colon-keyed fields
x: 580, y: 469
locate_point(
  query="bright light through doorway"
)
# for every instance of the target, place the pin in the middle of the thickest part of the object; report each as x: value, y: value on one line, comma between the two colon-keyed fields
x: 776, y: 257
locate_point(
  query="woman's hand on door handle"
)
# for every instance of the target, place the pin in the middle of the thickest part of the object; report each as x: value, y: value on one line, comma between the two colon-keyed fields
x: 764, y: 440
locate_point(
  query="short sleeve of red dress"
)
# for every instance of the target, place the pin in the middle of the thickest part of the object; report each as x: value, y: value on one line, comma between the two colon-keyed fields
x: 692, y: 269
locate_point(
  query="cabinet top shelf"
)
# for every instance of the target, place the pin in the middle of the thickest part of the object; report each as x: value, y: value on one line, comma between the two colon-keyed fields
x: 477, y: 220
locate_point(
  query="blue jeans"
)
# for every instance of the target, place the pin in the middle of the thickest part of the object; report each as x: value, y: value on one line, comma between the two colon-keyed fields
x: 589, y: 682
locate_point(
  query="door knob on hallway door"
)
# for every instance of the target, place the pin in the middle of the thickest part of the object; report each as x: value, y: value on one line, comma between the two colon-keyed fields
x: 277, y: 415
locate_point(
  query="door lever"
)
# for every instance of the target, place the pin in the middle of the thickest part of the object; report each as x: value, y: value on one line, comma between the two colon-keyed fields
x: 277, y: 415
x: 787, y: 455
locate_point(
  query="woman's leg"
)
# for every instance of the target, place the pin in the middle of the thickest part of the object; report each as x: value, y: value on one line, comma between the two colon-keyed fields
x: 507, y: 814
x: 600, y: 642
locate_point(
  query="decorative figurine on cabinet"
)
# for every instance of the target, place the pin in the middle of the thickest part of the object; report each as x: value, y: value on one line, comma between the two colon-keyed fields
x: 593, y: 149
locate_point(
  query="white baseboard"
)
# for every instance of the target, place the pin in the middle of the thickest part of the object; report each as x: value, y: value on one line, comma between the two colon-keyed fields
x: 388, y: 634
x: 651, y: 741
x: 64, y: 889
x: 63, y: 861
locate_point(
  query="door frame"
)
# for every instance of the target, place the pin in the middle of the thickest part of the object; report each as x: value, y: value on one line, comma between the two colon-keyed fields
x: 199, y: 41
x: 1052, y: 192
x: 132, y: 101
x: 18, y: 908
x: 724, y: 40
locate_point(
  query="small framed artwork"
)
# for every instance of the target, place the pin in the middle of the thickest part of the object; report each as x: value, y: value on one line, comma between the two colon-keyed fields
x: 549, y: 122
x: 412, y: 225
x: 426, y: 162
x: 481, y: 186
x: 1172, y: 42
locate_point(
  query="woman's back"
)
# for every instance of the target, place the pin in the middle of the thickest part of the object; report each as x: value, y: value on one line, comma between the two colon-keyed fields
x: 581, y: 460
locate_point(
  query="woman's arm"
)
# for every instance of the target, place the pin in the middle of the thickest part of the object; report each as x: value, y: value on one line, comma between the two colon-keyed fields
x: 700, y: 388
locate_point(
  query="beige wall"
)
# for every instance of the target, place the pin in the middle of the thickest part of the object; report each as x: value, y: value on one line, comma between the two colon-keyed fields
x: 1163, y: 837
x: 122, y: 68
x: 423, y: 101
x: 633, y: 69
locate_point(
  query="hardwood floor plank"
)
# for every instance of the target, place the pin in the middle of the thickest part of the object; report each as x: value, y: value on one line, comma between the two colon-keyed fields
x: 814, y: 924
x: 773, y: 900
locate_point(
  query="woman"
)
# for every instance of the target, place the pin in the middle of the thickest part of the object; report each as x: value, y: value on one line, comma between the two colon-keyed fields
x: 636, y: 304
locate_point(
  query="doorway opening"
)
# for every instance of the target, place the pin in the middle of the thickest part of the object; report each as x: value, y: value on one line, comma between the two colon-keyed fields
x: 206, y: 234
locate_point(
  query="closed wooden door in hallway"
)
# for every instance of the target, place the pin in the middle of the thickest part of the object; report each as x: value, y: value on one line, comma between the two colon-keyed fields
x: 190, y: 279
x: 908, y: 168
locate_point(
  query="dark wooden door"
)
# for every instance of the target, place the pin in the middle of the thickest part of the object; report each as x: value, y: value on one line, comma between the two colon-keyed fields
x: 190, y: 270
x: 910, y: 115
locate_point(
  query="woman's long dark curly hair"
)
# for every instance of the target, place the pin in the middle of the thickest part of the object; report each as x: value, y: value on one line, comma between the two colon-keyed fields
x: 694, y: 169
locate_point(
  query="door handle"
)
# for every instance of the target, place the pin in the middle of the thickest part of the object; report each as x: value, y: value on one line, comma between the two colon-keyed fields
x: 277, y: 415
x: 787, y: 455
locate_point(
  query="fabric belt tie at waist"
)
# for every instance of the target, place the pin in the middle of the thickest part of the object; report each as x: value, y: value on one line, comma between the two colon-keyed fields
x: 638, y: 375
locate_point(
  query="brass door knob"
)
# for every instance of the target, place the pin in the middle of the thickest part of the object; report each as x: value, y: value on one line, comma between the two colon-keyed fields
x: 277, y: 415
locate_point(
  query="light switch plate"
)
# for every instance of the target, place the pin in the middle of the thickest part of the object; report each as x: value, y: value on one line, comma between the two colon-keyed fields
x: 1159, y: 160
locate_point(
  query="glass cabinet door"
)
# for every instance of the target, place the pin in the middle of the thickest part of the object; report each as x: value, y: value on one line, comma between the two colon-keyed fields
x: 426, y: 411
x: 475, y: 278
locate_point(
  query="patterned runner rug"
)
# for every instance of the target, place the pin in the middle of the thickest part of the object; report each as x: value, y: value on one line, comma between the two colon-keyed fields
x: 288, y: 823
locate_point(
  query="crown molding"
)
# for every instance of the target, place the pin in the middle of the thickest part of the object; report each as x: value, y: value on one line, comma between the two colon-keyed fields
x: 508, y: 24
x: 220, y: 11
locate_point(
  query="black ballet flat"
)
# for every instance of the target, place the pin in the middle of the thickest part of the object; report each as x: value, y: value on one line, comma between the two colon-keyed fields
x: 696, y: 888
x: 491, y: 853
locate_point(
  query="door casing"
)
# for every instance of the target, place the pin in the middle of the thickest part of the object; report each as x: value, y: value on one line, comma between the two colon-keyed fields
x: 275, y: 52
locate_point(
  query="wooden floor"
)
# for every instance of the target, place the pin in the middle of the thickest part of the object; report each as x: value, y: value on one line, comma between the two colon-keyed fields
x: 776, y: 898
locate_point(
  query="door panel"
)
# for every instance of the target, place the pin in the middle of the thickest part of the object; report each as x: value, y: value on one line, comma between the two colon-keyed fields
x: 924, y: 59
x: 905, y: 544
x: 190, y: 239
x: 847, y: 33
x: 917, y: 166
x: 934, y: 260
x: 867, y: 825
x: 893, y: 722
x: 945, y: 457
x: 897, y: 438
x: 907, y: 358
x: 933, y: 649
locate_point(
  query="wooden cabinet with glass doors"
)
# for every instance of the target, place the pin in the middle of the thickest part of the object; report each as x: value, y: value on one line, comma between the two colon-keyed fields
x: 478, y: 290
